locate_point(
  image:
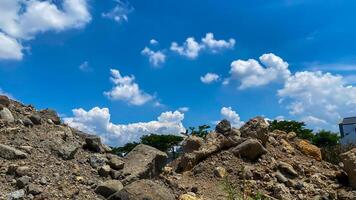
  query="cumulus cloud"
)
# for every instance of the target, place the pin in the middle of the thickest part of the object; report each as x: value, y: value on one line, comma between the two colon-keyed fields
x: 191, y: 48
x: 319, y: 98
x: 156, y: 58
x: 22, y: 20
x: 232, y: 116
x: 125, y: 89
x: 153, y: 42
x: 209, y: 78
x: 120, y: 12
x: 97, y: 121
x: 251, y: 73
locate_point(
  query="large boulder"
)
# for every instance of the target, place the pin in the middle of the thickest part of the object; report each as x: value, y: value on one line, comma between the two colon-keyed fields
x: 143, y: 162
x: 11, y: 153
x: 349, y: 160
x: 108, y: 188
x: 309, y: 149
x: 256, y: 128
x: 251, y: 149
x: 192, y: 143
x: 223, y: 127
x: 93, y: 143
x: 6, y: 115
x: 36, y: 119
x: 50, y: 114
x: 143, y: 190
x: 4, y: 101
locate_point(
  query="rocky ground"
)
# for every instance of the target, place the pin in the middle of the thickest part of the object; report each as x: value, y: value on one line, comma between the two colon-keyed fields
x: 41, y: 158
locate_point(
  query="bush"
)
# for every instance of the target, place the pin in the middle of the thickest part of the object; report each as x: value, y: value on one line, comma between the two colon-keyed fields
x: 292, y: 126
x: 326, y: 138
x: 201, y: 132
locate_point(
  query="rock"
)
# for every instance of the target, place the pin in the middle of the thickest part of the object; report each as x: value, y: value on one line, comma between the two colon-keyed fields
x: 11, y: 170
x: 22, y: 171
x: 143, y: 190
x: 4, y: 101
x: 256, y: 128
x: 22, y: 182
x: 11, y: 153
x: 97, y: 161
x: 188, y: 196
x: 280, y: 177
x: 282, y: 192
x: 287, y: 169
x: 6, y: 115
x: 66, y: 151
x: 287, y: 147
x: 192, y: 143
x: 144, y: 162
x: 116, y: 162
x: 108, y: 188
x: 34, y: 189
x: 27, y: 122
x: 35, y: 119
x: 349, y: 161
x: 104, y: 171
x: 223, y: 127
x: 115, y: 174
x: 17, y: 195
x: 250, y: 149
x: 309, y: 149
x: 220, y: 172
x: 291, y: 135
x: 93, y: 143
x: 51, y: 115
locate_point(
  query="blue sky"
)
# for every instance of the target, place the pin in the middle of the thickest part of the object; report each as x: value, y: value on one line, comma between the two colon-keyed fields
x: 60, y: 55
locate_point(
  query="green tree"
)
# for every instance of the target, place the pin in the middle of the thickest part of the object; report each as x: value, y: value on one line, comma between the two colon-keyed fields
x: 201, y: 132
x: 121, y: 151
x: 295, y: 126
x: 325, y: 138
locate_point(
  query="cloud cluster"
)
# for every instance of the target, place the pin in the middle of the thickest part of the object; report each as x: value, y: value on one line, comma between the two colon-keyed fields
x: 97, y: 120
x: 120, y: 12
x: 232, y: 116
x: 191, y: 48
x: 156, y: 58
x: 209, y: 78
x: 126, y: 89
x: 318, y: 98
x: 251, y: 73
x: 22, y: 20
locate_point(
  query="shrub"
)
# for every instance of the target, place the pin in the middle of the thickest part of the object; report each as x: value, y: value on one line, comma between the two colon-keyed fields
x: 201, y: 132
x: 325, y: 138
x: 295, y: 126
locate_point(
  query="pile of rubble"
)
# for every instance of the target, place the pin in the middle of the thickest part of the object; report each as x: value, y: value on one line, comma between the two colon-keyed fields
x: 41, y: 158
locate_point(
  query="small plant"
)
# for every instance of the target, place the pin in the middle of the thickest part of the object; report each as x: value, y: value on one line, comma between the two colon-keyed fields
x: 202, y: 131
x: 229, y: 188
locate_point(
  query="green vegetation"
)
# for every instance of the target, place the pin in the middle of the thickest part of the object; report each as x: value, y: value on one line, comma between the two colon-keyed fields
x: 295, y: 126
x: 232, y: 193
x: 201, y: 132
x: 162, y: 142
x: 325, y: 138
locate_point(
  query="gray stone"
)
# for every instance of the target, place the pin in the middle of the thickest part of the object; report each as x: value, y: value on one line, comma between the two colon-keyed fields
x: 50, y: 114
x: 67, y: 151
x: 22, y: 171
x: 108, y: 188
x: 349, y: 161
x: 6, y: 115
x: 144, y: 162
x: 22, y: 182
x: 116, y: 162
x: 11, y: 153
x: 27, y: 122
x: 280, y: 177
x: 250, y: 149
x: 97, y: 161
x: 36, y: 119
x: 143, y: 190
x: 93, y: 143
x: 34, y: 189
x: 104, y: 171
x: 17, y: 195
x: 223, y: 127
x: 256, y: 128
x: 287, y: 169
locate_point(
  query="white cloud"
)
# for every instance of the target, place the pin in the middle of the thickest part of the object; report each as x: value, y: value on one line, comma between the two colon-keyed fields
x: 156, y: 58
x: 97, y: 120
x: 217, y: 45
x: 209, y: 78
x: 183, y: 109
x: 153, y: 42
x: 22, y: 20
x: 232, y: 116
x: 191, y: 48
x: 319, y: 98
x: 120, y: 12
x: 85, y: 67
x: 125, y: 89
x: 10, y: 48
x: 251, y: 73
